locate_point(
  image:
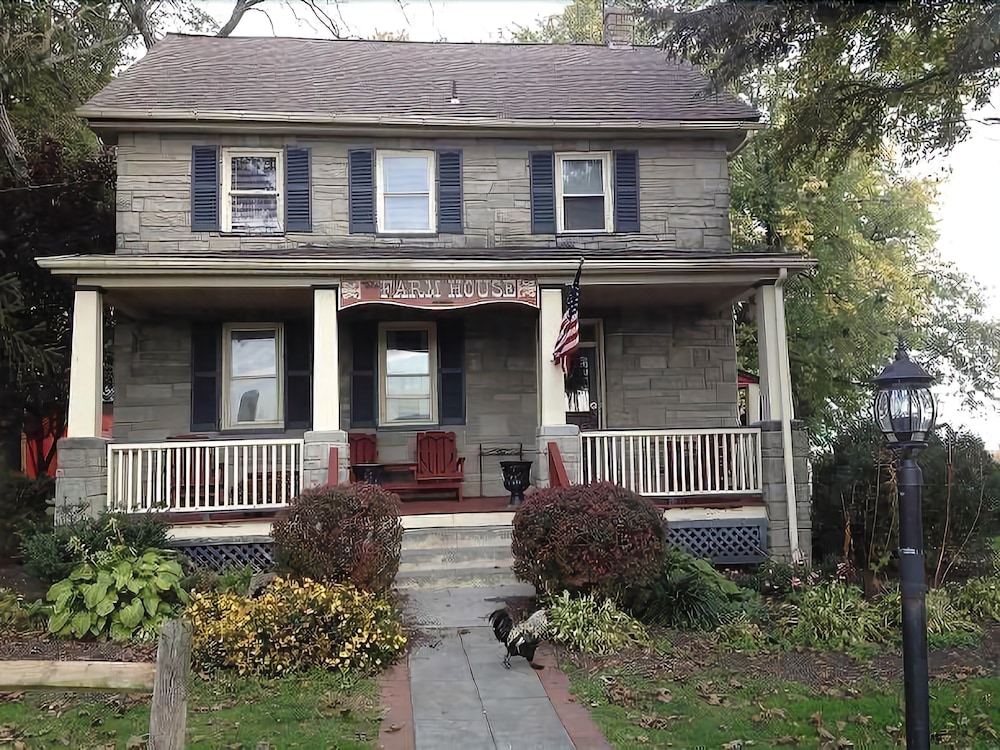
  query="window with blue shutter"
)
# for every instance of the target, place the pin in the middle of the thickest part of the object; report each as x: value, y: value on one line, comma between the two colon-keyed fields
x: 204, y: 188
x: 543, y: 192
x: 449, y: 193
x: 626, y: 191
x: 298, y: 209
x: 298, y: 374
x: 361, y: 191
x: 206, y: 375
x: 451, y: 371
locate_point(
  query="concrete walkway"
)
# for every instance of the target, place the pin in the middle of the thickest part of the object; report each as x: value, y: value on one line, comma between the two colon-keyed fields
x: 462, y: 696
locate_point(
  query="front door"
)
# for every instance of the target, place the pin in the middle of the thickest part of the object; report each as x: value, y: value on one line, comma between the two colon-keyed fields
x: 583, y: 384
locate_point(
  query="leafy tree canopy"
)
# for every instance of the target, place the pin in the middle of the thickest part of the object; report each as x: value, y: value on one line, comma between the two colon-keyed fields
x: 855, y: 74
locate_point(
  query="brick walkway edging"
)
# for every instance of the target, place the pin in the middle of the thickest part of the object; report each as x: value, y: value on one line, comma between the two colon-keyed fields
x: 396, y: 732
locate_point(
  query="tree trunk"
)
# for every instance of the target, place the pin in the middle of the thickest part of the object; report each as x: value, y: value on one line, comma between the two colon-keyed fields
x: 12, y: 148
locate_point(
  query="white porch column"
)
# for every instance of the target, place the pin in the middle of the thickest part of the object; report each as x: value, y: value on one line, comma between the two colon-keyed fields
x: 551, y: 391
x: 86, y: 374
x: 325, y: 441
x: 326, y: 361
x: 772, y: 349
x: 776, y: 390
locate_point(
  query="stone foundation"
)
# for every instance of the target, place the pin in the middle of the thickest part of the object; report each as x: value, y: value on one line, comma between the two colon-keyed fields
x: 82, y: 476
x: 567, y: 437
x: 316, y: 457
x: 775, y: 498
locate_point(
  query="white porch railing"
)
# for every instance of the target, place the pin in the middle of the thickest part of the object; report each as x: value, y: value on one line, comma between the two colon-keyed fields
x: 204, y: 475
x: 668, y: 463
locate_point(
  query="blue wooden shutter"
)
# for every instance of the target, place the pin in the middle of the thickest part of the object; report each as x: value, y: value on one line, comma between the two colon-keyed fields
x: 626, y: 191
x: 361, y: 190
x: 204, y: 188
x: 449, y: 196
x: 364, y: 371
x: 298, y: 374
x: 543, y: 192
x: 451, y: 371
x: 298, y: 213
x: 206, y: 375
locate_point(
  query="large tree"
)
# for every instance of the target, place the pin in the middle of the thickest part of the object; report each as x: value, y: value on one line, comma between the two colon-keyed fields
x: 857, y: 75
x: 871, y: 229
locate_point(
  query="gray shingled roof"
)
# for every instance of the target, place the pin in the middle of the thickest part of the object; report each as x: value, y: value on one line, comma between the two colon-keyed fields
x: 343, y: 78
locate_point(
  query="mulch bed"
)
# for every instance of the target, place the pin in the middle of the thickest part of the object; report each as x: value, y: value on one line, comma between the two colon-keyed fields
x: 42, y: 647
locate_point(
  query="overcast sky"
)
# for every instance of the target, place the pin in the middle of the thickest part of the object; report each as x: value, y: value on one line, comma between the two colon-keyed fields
x: 968, y: 206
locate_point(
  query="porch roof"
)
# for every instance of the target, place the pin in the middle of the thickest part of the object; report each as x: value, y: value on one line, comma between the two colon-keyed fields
x: 633, y: 276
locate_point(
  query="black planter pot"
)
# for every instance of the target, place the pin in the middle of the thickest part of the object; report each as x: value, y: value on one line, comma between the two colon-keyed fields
x: 516, y: 479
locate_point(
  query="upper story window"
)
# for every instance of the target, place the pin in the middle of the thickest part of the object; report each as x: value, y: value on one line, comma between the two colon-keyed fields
x: 583, y: 192
x: 252, y: 376
x: 252, y: 195
x: 406, y: 195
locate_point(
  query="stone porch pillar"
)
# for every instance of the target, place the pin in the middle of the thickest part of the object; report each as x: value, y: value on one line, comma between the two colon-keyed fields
x: 778, y: 438
x: 82, y: 473
x: 552, y: 425
x: 326, y: 432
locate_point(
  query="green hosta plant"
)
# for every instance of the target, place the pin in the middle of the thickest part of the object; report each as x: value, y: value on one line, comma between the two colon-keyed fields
x: 593, y: 626
x: 117, y: 593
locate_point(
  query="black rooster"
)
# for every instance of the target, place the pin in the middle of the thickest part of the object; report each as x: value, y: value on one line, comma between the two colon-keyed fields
x: 521, y: 639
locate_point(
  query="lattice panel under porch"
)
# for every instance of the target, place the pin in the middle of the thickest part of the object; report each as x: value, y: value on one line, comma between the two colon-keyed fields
x: 722, y: 541
x: 218, y: 557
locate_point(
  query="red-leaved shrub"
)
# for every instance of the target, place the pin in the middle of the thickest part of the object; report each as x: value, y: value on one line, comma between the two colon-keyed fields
x: 346, y: 534
x: 587, y: 538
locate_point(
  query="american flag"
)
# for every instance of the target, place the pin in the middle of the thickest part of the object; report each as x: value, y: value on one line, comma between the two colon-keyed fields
x: 569, y: 331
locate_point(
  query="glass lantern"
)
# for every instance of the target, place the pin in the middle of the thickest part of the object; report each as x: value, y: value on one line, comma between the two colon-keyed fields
x: 904, y: 406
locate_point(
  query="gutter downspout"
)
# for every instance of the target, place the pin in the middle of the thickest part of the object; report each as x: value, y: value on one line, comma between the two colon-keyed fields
x: 786, y: 418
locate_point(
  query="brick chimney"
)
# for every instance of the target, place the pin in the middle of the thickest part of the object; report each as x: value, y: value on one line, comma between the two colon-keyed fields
x: 619, y: 27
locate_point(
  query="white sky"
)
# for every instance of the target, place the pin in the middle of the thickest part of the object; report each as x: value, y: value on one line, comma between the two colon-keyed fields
x: 968, y: 206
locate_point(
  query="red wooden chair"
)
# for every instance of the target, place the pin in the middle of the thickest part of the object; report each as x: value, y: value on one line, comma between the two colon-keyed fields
x: 438, y: 462
x: 363, y: 448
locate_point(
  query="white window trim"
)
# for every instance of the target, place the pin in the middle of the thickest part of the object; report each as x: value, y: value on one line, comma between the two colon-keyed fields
x: 228, y: 419
x: 227, y: 184
x: 380, y: 212
x: 609, y: 208
x: 431, y: 329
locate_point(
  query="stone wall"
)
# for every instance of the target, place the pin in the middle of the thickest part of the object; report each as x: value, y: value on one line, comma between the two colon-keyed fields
x: 82, y: 477
x: 775, y: 497
x: 669, y: 367
x: 684, y: 194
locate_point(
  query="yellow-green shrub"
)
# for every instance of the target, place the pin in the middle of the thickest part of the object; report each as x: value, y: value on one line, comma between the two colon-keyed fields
x: 295, y: 625
x: 592, y: 625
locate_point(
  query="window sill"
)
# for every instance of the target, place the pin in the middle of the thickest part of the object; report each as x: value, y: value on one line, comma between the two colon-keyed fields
x: 583, y: 232
x: 237, y: 431
x: 254, y: 235
x: 406, y: 235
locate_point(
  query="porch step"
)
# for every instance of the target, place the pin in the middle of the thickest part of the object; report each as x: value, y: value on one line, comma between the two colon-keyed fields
x: 455, y: 557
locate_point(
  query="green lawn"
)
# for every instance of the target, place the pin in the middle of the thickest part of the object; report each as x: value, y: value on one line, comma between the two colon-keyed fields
x: 317, y: 710
x: 723, y: 710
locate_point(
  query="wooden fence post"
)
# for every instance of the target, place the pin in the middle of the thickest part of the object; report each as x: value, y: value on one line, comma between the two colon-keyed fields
x: 168, y: 715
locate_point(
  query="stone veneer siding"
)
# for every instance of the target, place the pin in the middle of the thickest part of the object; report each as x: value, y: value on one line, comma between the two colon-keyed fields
x: 669, y: 367
x: 684, y: 194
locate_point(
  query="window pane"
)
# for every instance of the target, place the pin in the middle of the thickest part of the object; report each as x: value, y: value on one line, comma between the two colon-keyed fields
x: 405, y: 174
x: 583, y: 177
x: 253, y: 354
x: 255, y: 214
x: 407, y: 353
x: 583, y: 213
x: 253, y: 400
x: 407, y: 409
x: 255, y: 173
x: 577, y: 385
x: 407, y: 212
x: 408, y: 385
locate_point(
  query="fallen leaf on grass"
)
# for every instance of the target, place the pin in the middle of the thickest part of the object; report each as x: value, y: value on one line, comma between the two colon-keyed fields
x: 767, y: 714
x: 816, y: 719
x: 825, y: 735
x: 651, y: 721
x: 663, y: 695
x: 862, y: 720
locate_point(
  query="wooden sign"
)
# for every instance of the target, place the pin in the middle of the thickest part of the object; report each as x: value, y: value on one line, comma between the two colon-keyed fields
x: 446, y: 293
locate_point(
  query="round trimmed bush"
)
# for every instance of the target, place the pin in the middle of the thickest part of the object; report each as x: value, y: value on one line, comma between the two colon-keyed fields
x: 347, y: 534
x: 598, y: 538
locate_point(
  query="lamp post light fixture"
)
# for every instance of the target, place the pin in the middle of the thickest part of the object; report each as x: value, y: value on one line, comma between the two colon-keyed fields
x: 905, y: 412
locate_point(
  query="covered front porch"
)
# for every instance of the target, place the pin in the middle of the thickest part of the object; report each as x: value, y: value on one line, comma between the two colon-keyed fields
x: 650, y: 404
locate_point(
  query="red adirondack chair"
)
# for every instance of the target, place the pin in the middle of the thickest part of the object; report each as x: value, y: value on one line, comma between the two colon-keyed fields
x: 438, y: 462
x: 363, y: 448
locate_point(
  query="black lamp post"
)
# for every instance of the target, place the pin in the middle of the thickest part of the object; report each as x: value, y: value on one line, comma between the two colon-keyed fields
x: 904, y: 411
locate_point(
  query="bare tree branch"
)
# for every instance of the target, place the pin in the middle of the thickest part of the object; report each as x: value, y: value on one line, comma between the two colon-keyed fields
x: 138, y: 13
x: 12, y: 148
x: 239, y: 10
